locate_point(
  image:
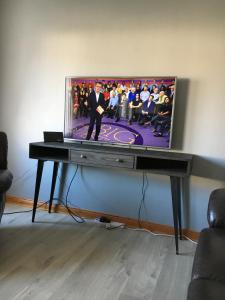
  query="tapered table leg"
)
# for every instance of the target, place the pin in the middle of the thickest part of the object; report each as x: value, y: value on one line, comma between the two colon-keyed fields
x: 37, y: 186
x: 54, y: 176
x: 174, y: 193
x: 178, y: 183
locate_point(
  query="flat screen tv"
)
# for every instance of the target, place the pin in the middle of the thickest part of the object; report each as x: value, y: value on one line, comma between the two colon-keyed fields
x: 131, y: 111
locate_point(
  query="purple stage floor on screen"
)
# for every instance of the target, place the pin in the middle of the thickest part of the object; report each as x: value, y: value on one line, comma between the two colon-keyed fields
x: 120, y: 132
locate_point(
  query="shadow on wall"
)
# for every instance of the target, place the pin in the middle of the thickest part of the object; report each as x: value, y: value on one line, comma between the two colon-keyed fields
x: 180, y: 113
x: 209, y: 167
x: 205, y: 167
x: 186, y: 202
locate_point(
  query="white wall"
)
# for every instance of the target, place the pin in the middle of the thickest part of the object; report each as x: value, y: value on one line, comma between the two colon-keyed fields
x: 44, y: 41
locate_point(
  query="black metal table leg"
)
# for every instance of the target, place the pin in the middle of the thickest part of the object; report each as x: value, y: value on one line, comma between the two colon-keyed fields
x: 178, y: 182
x: 54, y: 176
x: 37, y: 186
x: 174, y: 193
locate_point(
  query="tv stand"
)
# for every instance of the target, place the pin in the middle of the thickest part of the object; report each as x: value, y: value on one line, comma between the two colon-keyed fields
x: 176, y: 165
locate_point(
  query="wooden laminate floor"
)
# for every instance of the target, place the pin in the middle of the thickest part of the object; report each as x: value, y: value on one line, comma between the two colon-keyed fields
x: 56, y: 258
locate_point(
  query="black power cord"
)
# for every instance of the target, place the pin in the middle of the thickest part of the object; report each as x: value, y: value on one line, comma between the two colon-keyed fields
x: 23, y: 211
x: 142, y: 202
x: 143, y: 192
x: 76, y: 217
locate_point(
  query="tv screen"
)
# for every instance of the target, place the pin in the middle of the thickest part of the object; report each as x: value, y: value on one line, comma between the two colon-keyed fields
x: 127, y: 111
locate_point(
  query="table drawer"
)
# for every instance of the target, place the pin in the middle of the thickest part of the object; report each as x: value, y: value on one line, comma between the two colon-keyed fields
x: 101, y: 159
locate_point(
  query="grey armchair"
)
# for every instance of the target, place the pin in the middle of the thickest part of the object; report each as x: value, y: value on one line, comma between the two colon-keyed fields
x: 5, y: 175
x: 208, y: 273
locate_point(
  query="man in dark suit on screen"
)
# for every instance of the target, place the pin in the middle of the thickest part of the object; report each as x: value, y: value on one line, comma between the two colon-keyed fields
x: 96, y: 103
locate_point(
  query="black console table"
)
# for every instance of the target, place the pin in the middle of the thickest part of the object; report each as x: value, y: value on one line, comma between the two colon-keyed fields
x: 174, y: 164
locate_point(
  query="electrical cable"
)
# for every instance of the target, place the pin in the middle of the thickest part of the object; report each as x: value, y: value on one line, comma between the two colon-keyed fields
x: 187, y: 238
x: 71, y: 181
x: 24, y: 211
x: 160, y: 234
x: 82, y: 220
x: 142, y: 202
x: 76, y: 217
x: 65, y: 202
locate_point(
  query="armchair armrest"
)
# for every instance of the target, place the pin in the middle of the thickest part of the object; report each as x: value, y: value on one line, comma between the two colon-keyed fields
x: 216, y: 208
x: 3, y: 150
x: 6, y: 178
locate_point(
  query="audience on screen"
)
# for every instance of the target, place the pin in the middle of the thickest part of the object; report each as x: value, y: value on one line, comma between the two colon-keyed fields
x: 134, y: 109
x: 146, y: 102
x: 163, y: 118
x: 147, y: 111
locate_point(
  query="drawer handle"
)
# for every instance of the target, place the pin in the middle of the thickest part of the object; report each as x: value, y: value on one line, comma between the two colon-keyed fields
x: 119, y: 160
x: 83, y: 156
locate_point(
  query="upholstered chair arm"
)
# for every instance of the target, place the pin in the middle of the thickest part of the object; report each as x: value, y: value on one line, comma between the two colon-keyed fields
x: 216, y: 208
x: 3, y: 150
